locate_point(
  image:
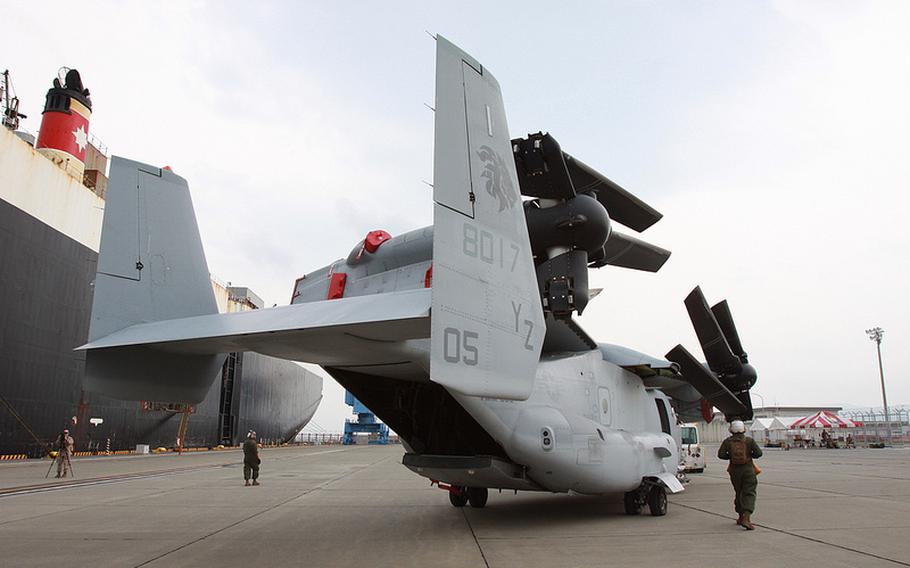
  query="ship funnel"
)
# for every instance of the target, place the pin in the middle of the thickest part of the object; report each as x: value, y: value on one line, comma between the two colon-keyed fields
x: 63, y: 137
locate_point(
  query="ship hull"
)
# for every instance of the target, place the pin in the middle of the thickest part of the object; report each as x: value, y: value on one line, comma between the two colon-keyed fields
x: 46, y: 279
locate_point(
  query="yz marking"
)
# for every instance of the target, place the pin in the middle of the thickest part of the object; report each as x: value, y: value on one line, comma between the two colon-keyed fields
x: 516, y: 310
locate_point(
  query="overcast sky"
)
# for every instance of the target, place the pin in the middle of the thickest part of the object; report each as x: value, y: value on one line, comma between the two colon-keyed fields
x: 771, y: 135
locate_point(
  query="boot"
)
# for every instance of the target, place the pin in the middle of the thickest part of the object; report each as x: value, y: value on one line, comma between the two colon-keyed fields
x: 739, y: 521
x: 747, y: 522
x: 255, y: 482
x: 246, y: 483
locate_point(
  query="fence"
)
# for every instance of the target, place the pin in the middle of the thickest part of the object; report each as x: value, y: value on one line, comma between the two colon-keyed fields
x: 318, y: 438
x: 876, y: 429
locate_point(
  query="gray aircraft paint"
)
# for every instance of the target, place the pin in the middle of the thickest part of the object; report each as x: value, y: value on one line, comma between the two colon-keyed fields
x: 597, y: 406
x: 487, y: 326
x: 151, y: 267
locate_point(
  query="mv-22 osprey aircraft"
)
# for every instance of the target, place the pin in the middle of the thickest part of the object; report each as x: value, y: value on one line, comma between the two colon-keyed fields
x: 458, y: 336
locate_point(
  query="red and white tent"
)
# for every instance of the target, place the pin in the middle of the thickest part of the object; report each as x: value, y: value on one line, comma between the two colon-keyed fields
x: 823, y: 419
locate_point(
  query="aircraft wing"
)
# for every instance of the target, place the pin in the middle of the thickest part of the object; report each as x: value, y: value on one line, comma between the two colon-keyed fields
x: 314, y: 332
x: 155, y: 332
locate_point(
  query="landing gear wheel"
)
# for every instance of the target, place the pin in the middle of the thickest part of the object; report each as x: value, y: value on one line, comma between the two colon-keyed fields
x: 478, y: 496
x: 458, y: 498
x: 631, y: 503
x: 657, y: 501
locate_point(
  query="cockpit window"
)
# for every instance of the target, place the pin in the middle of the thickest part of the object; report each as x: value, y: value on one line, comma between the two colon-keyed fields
x: 664, y: 418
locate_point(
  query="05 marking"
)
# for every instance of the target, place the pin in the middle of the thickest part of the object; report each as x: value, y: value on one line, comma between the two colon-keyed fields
x: 455, y: 341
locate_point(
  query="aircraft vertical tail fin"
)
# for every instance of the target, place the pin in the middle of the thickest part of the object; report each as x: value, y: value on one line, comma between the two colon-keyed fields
x: 487, y: 320
x: 151, y: 267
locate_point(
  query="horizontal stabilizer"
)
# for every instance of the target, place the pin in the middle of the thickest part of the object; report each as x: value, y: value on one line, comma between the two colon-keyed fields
x: 628, y: 252
x: 175, y: 360
x: 623, y: 207
x: 706, y: 383
x: 304, y: 332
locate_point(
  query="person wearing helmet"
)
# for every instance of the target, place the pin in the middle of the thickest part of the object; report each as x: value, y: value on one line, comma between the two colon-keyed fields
x: 251, y: 459
x: 741, y: 450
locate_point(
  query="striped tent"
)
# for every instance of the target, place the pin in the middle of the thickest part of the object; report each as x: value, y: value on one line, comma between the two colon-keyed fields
x: 823, y: 419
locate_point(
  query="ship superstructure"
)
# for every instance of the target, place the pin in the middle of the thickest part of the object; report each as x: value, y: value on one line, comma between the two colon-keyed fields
x: 51, y: 211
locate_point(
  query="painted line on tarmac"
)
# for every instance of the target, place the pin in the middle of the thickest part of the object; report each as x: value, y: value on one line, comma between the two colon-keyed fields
x: 44, y: 488
x: 120, y: 478
x: 804, y: 537
x: 267, y: 509
x: 474, y: 536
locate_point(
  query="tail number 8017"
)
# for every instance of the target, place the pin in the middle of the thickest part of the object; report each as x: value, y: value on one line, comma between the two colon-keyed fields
x: 489, y: 248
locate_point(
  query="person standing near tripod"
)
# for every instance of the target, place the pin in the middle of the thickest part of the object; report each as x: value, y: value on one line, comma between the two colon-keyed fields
x: 64, y: 447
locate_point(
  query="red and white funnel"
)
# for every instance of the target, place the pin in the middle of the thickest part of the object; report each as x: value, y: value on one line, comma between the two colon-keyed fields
x: 63, y: 137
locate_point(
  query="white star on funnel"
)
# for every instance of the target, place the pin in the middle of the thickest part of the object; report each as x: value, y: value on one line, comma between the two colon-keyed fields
x: 81, y: 138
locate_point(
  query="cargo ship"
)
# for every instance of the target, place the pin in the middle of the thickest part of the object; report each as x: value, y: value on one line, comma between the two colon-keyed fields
x: 51, y: 210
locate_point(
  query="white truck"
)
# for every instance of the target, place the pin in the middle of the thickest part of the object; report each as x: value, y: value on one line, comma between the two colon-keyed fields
x: 691, y: 452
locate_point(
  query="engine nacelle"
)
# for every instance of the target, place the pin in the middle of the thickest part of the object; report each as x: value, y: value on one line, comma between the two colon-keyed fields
x: 563, y: 234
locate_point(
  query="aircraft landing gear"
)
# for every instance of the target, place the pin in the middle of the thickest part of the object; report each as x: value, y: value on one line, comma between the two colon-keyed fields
x: 478, y: 496
x: 657, y: 500
x: 459, y: 497
x: 654, y: 495
x: 632, y: 502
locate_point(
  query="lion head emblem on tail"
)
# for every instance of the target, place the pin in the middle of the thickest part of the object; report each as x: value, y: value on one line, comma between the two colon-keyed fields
x: 499, y: 184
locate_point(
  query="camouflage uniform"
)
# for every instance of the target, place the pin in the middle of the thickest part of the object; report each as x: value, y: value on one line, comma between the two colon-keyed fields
x: 64, y: 451
x: 251, y: 460
x: 742, y: 476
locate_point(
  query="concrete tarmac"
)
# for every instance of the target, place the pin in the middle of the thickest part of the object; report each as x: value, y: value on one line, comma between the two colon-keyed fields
x: 355, y: 506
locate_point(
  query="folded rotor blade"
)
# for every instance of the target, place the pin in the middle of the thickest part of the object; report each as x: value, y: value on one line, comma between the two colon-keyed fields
x: 717, y: 351
x: 706, y: 383
x: 622, y: 206
x: 724, y: 318
x: 629, y: 252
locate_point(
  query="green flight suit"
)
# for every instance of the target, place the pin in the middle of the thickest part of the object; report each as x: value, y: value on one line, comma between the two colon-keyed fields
x: 743, y: 478
x: 250, y: 459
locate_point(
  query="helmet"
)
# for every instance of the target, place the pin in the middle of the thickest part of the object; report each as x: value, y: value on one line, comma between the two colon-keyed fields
x: 737, y: 427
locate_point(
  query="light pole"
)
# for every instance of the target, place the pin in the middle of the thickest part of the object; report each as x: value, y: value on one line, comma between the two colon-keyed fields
x: 753, y: 393
x: 876, y: 334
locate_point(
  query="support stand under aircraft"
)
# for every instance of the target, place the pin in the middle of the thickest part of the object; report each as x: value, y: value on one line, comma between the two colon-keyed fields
x: 458, y: 336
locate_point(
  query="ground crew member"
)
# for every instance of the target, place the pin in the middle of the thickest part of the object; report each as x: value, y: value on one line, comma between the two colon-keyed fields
x: 64, y: 447
x: 741, y: 450
x: 251, y: 459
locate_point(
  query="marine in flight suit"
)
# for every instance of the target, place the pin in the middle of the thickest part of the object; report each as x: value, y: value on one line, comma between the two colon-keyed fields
x: 741, y: 450
x: 251, y: 459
